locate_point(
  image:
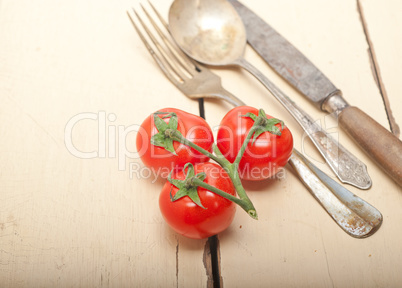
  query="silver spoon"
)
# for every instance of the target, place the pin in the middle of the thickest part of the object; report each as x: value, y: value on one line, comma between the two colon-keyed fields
x: 211, y: 32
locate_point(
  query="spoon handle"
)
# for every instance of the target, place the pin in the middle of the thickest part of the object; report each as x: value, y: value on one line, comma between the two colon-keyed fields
x: 354, y: 215
x: 346, y: 166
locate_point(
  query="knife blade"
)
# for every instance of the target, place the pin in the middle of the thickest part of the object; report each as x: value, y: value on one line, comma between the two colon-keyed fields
x: 380, y: 144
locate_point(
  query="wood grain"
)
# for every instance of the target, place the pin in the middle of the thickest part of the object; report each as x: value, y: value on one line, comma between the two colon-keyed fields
x: 78, y: 208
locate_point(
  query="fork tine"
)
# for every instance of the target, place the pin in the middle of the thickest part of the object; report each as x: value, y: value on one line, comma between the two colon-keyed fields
x: 159, y: 15
x: 174, y: 52
x: 163, y: 52
x: 193, y: 87
x: 152, y: 52
x: 184, y: 60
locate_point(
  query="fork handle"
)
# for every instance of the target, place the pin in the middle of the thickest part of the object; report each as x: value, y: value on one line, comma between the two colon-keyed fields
x: 229, y: 97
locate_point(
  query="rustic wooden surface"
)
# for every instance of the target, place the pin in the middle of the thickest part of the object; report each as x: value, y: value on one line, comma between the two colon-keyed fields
x: 71, y: 219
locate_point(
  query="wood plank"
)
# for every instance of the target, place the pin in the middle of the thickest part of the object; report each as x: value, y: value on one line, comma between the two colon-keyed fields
x: 295, y: 243
x: 67, y: 221
x: 71, y: 222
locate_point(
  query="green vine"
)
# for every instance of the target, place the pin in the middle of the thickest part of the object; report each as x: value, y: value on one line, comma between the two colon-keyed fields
x: 168, y: 133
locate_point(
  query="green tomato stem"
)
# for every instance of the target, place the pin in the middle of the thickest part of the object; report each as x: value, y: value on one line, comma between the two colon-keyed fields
x: 231, y: 168
x: 180, y: 138
x: 244, y: 145
x: 233, y: 172
x: 246, y: 204
x: 260, y: 126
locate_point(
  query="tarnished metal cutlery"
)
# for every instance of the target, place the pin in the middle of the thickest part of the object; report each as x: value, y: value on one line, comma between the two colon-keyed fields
x: 354, y: 215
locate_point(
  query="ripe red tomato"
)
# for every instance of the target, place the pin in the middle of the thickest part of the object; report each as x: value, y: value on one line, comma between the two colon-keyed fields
x: 265, y: 156
x: 192, y: 127
x: 186, y: 217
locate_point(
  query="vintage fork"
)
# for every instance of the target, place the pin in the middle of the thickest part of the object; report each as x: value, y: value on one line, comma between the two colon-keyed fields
x: 354, y: 215
x: 195, y: 81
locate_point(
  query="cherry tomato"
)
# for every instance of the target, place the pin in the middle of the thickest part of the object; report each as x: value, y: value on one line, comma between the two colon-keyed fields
x: 192, y: 127
x: 263, y: 158
x: 189, y: 219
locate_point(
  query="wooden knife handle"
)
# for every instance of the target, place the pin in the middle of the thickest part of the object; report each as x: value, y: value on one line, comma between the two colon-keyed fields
x: 380, y: 144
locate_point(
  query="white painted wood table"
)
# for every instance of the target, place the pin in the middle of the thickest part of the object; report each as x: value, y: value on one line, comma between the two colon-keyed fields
x: 78, y: 209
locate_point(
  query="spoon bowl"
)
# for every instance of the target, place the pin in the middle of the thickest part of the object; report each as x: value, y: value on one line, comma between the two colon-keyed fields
x: 210, y: 31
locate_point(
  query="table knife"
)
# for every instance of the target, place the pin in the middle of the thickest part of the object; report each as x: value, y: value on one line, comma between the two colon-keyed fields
x: 380, y: 144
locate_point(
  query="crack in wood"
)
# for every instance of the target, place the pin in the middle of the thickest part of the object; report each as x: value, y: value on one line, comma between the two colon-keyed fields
x: 201, y: 107
x: 208, y: 264
x: 177, y: 262
x: 211, y: 257
x: 377, y: 75
x: 212, y: 263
